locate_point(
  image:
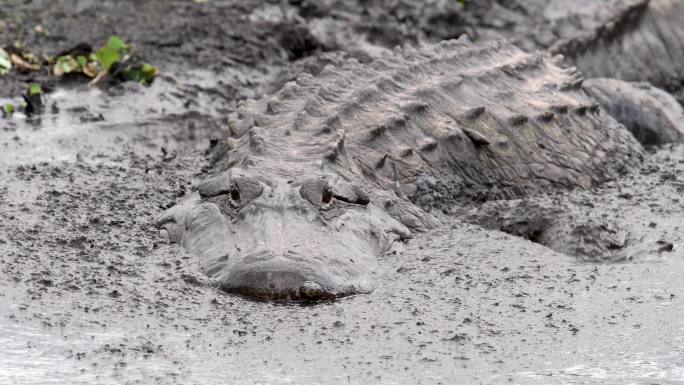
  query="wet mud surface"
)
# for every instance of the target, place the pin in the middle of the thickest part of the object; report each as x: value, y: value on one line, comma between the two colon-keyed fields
x: 91, y: 292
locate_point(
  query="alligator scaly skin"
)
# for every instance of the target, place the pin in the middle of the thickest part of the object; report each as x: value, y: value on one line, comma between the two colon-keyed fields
x: 406, y: 122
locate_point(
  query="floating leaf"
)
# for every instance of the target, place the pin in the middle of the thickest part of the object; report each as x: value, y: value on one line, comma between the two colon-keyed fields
x: 5, y: 62
x: 113, y: 60
x: 82, y: 61
x: 34, y: 89
x: 33, y: 99
x: 67, y: 64
x: 117, y: 43
x: 132, y: 73
x: 148, y: 73
x: 7, y: 110
x: 143, y: 74
x: 107, y: 56
x: 115, y: 50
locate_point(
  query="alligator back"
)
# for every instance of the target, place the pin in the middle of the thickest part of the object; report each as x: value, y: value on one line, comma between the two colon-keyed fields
x: 440, y: 122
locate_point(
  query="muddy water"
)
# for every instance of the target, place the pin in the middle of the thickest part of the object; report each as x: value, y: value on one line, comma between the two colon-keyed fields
x: 83, y: 119
x: 92, y: 293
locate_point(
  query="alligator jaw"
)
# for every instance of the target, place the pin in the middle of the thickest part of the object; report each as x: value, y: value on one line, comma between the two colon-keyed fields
x: 281, y: 279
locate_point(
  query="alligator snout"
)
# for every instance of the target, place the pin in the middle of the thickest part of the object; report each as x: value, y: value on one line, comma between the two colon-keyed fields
x: 283, y: 241
x: 280, y: 276
x: 267, y: 284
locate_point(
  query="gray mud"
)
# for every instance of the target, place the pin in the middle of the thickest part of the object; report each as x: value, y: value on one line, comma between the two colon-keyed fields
x: 92, y: 293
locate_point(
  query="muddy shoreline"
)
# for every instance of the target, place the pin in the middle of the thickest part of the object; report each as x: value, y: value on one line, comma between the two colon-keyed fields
x: 92, y: 292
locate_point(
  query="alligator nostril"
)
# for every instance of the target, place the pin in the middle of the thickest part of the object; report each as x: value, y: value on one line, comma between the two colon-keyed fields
x: 327, y: 195
x: 235, y: 194
x: 311, y: 291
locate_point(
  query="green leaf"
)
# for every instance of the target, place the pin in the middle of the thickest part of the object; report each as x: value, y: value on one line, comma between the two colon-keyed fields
x: 143, y: 74
x: 132, y: 73
x: 82, y: 61
x: 8, y: 110
x: 34, y: 89
x: 116, y: 43
x: 148, y: 73
x: 107, y: 56
x: 115, y: 50
x: 5, y: 62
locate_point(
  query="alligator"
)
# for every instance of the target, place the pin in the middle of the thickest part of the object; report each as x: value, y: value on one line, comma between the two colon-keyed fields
x: 316, y: 181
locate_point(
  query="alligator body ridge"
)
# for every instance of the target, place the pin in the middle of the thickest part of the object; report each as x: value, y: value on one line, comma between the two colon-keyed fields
x: 320, y: 178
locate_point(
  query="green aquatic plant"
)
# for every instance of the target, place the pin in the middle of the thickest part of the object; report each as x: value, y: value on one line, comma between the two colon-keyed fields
x: 5, y: 62
x: 114, y: 51
x: 114, y: 58
x: 143, y: 74
x: 34, y: 89
x: 33, y: 99
x: 8, y: 110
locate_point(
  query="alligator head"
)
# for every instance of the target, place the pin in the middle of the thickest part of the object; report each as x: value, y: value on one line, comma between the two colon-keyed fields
x: 264, y: 237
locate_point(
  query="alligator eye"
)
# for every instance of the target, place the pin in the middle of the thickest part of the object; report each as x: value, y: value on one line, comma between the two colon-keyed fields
x: 237, y: 191
x: 318, y: 192
x: 243, y: 190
